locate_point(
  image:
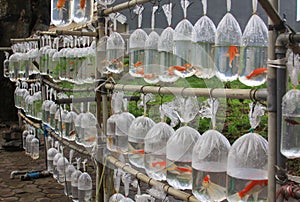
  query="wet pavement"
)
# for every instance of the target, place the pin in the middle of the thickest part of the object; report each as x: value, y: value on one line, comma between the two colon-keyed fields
x: 38, y: 190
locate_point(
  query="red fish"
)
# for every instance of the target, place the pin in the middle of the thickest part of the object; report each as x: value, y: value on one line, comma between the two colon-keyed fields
x: 184, y: 169
x: 149, y: 76
x: 160, y: 163
x: 141, y: 151
x: 290, y: 121
x: 60, y: 4
x: 232, y: 52
x: 140, y: 71
x: 257, y: 72
x: 82, y: 4
x: 252, y: 188
x: 187, y: 65
x: 214, y: 191
x: 178, y: 68
x: 137, y: 64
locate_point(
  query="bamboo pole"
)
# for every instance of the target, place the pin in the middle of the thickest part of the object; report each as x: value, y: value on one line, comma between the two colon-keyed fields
x: 257, y: 94
x: 123, y: 6
x: 76, y: 33
x: 58, y: 88
x: 51, y: 33
x: 23, y: 40
x: 271, y: 10
x: 167, y: 188
x: 5, y: 49
x: 30, y: 122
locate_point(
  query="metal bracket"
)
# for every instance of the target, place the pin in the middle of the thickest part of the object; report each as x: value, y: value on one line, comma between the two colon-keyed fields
x: 278, y: 63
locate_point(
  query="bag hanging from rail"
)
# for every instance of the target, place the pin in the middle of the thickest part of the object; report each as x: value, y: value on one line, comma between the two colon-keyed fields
x: 227, y: 44
x: 202, y: 47
x: 254, y: 48
x: 209, y: 159
x: 247, y: 166
x: 290, y: 141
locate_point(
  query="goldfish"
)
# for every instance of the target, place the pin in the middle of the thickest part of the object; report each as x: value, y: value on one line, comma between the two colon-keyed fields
x: 181, y: 169
x: 214, y: 191
x: 254, y: 187
x: 91, y: 139
x: 257, y: 72
x: 187, y: 65
x: 232, y: 52
x: 137, y: 64
x: 140, y: 71
x: 159, y: 163
x: 290, y: 121
x: 140, y: 151
x: 81, y: 9
x: 149, y: 76
x: 60, y: 4
x: 178, y: 68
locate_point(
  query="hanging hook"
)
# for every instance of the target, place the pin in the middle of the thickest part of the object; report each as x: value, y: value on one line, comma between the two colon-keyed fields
x: 161, y: 96
x: 181, y: 93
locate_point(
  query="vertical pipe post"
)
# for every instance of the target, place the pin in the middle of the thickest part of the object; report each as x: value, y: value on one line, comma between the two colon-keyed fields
x: 272, y: 110
x: 99, y: 166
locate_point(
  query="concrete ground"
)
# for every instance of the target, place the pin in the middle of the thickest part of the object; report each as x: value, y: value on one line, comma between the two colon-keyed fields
x: 38, y: 190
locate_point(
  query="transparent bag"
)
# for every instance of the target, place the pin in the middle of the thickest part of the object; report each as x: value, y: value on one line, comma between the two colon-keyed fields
x: 137, y: 47
x: 209, y: 161
x: 227, y: 43
x: 155, y: 149
x: 165, y: 49
x: 254, y: 48
x: 203, y: 46
x: 152, y: 67
x: 136, y: 137
x: 183, y: 46
x: 247, y: 166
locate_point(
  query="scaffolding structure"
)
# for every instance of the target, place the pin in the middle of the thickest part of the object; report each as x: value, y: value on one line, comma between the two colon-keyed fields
x: 279, y: 38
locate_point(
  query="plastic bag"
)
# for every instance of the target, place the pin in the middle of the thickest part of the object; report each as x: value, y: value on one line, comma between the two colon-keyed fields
x: 202, y: 47
x: 254, y: 50
x: 136, y: 47
x: 183, y: 46
x: 151, y: 54
x: 290, y: 144
x: 227, y: 42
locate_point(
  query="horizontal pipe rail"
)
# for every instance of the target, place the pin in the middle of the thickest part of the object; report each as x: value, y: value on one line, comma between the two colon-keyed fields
x: 167, y: 188
x: 29, y: 121
x: 76, y: 33
x: 253, y: 94
x: 123, y: 6
x: 19, y: 40
x: 61, y: 89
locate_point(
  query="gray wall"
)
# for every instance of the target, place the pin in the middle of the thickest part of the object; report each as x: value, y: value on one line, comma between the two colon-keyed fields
x: 241, y: 9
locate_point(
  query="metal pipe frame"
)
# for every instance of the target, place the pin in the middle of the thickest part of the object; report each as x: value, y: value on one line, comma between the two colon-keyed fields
x: 76, y: 33
x: 20, y: 40
x: 167, y: 188
x: 123, y: 6
x: 253, y: 94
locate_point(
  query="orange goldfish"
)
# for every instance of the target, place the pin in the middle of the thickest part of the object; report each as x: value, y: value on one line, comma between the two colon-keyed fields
x: 60, y: 4
x: 91, y: 139
x: 214, y: 191
x: 137, y: 64
x: 257, y: 72
x: 81, y: 7
x: 178, y: 68
x: 140, y: 71
x: 82, y: 4
x: 187, y: 65
x: 252, y: 188
x: 149, y: 76
x: 160, y: 163
x: 290, y: 121
x: 232, y: 52
x: 140, y: 151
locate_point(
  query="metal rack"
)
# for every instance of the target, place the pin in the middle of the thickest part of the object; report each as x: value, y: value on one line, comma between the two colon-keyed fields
x: 279, y: 40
